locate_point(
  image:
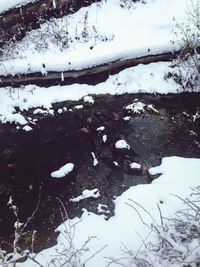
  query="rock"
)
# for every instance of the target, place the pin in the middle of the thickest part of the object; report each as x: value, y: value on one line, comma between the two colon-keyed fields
x: 115, y: 116
x: 84, y: 130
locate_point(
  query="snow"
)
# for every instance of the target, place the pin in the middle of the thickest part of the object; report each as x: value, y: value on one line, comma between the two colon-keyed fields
x: 122, y: 144
x: 116, y: 163
x: 137, y: 79
x: 104, y: 138
x: 111, y: 37
x: 27, y: 128
x: 136, y: 107
x: 152, y: 108
x: 16, y: 118
x: 18, y: 225
x: 125, y: 229
x: 142, y: 30
x: 8, y: 4
x: 63, y: 171
x: 127, y: 118
x: 100, y: 129
x: 102, y: 208
x: 88, y: 99
x: 95, y: 160
x: 78, y: 107
x: 135, y: 165
x: 40, y: 111
x: 93, y: 193
x: 60, y: 110
x: 196, y: 116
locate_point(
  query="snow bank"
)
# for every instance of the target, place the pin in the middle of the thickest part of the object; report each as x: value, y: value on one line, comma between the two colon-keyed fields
x: 141, y: 79
x: 122, y: 228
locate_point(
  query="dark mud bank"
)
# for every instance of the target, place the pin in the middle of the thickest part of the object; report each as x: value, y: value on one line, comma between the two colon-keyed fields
x: 28, y: 158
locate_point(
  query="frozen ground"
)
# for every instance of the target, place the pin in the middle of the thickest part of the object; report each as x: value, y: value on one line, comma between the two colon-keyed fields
x: 94, y: 36
x: 125, y: 229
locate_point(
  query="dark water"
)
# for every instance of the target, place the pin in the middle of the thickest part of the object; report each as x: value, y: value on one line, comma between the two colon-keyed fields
x: 28, y: 158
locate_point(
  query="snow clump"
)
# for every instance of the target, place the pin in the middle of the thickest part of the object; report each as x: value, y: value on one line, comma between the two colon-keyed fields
x: 135, y: 165
x: 101, y: 129
x: 88, y: 99
x: 63, y: 171
x: 95, y: 160
x: 136, y: 107
x: 122, y: 144
x: 27, y: 128
x: 94, y: 193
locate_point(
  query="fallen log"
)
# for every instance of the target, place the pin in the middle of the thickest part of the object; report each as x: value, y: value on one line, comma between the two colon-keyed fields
x: 15, y: 22
x: 92, y: 75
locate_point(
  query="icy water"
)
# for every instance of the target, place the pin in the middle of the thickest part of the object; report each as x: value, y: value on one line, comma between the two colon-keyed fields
x: 28, y: 158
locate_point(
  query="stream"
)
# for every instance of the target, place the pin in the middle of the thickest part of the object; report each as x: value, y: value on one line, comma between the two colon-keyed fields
x: 169, y: 127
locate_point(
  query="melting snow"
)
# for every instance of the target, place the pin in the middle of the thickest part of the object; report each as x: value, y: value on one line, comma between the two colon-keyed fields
x: 63, y: 171
x: 94, y: 193
x: 88, y: 99
x: 27, y: 128
x: 135, y: 165
x: 136, y: 107
x: 102, y: 208
x: 78, y: 107
x: 95, y: 160
x: 127, y: 118
x: 125, y: 227
x: 104, y: 138
x: 122, y: 144
x: 101, y: 129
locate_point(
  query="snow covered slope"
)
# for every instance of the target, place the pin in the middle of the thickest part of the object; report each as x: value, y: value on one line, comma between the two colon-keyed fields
x: 100, y: 33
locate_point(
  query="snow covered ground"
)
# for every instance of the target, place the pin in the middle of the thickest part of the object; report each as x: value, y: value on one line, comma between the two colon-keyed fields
x: 93, y: 35
x: 124, y: 229
x: 8, y: 4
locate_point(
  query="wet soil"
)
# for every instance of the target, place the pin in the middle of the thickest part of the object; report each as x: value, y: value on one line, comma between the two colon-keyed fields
x: 28, y: 158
